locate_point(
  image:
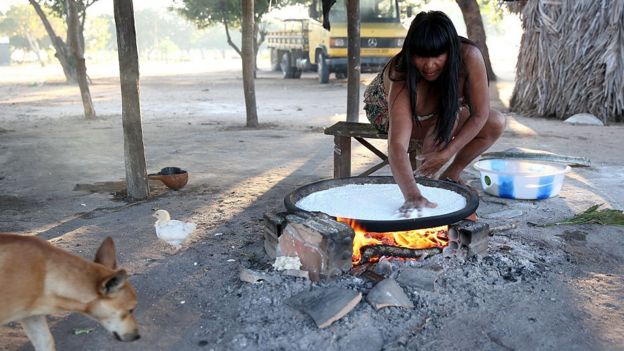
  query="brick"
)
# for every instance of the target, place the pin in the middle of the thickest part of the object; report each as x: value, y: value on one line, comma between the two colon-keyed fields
x: 466, y: 232
x: 323, y: 245
x: 275, y: 222
x: 477, y: 248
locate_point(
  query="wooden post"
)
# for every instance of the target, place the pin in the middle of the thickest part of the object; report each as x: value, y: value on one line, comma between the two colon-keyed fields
x: 249, y: 63
x: 73, y: 37
x: 353, y: 61
x: 342, y: 156
x: 136, y: 174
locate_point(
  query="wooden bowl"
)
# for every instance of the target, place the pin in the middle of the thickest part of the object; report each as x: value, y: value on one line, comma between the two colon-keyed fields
x: 173, y: 177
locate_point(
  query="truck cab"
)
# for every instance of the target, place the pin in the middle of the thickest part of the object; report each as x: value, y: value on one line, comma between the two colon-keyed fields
x: 304, y: 44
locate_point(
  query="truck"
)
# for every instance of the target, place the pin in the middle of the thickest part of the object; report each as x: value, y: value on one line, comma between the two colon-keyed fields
x: 302, y: 44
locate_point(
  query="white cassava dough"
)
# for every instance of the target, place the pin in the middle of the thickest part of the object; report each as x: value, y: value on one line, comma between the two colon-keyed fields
x: 378, y: 202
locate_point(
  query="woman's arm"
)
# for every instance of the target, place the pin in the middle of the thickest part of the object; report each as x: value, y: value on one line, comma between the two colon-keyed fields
x: 399, y: 135
x: 478, y: 95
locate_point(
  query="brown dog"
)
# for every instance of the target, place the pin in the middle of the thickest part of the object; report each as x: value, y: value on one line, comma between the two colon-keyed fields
x: 37, y: 279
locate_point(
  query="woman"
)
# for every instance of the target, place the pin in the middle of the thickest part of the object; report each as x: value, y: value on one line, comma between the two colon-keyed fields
x: 434, y: 90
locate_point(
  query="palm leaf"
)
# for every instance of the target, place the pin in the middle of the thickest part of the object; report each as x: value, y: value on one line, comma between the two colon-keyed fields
x: 592, y: 215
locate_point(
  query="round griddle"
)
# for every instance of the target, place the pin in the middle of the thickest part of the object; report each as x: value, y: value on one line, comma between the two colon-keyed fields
x: 472, y: 202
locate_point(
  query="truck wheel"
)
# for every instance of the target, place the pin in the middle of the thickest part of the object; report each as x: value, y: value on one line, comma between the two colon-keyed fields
x: 341, y: 75
x: 275, y: 60
x: 287, y: 69
x: 323, y: 68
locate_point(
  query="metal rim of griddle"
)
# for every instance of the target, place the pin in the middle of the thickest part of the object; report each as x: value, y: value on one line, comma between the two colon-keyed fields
x: 472, y: 202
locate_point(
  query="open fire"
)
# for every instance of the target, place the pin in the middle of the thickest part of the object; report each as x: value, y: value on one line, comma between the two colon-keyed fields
x: 418, y: 239
x: 328, y: 248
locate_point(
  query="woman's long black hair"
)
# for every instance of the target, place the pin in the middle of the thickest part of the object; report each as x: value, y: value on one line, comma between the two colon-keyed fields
x: 432, y: 34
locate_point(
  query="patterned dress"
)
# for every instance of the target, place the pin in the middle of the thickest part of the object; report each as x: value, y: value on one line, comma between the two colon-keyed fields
x: 376, y: 104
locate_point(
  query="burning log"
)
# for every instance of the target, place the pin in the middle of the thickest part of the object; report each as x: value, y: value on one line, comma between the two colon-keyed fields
x: 369, y: 252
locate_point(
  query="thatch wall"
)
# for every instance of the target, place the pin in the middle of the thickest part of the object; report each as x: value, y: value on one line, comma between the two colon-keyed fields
x: 571, y: 59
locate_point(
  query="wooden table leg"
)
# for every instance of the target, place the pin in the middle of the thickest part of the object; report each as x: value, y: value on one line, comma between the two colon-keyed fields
x: 342, y: 156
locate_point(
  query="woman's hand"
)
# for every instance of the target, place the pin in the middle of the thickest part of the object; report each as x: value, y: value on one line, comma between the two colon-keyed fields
x: 432, y: 162
x: 416, y: 203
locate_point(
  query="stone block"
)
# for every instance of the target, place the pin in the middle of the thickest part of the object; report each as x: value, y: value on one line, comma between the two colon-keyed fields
x: 417, y: 277
x: 251, y: 276
x: 326, y: 306
x: 270, y: 248
x: 388, y: 293
x: 297, y: 273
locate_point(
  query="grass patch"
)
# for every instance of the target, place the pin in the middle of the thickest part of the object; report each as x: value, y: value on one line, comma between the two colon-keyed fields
x: 606, y: 216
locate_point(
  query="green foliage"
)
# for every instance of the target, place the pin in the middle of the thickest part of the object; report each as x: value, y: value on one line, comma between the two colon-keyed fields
x: 605, y: 216
x: 98, y: 33
x: 205, y: 13
x: 491, y: 11
x: 162, y: 32
x: 58, y: 7
x: 21, y: 22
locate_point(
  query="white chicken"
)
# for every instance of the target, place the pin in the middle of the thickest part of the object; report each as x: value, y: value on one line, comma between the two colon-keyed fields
x: 170, y: 230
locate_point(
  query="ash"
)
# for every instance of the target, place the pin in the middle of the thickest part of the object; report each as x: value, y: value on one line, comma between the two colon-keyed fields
x: 467, y: 293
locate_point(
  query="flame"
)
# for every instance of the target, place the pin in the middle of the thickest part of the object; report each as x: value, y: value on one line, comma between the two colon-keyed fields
x: 412, y: 239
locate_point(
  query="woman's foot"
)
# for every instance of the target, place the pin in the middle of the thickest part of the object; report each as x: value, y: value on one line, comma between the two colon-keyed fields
x: 452, y: 177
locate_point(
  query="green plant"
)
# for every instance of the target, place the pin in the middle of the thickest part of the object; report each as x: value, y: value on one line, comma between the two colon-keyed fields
x: 606, y: 216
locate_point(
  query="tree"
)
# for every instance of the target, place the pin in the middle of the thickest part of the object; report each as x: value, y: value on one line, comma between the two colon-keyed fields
x: 228, y: 12
x: 476, y: 31
x: 471, y: 11
x: 134, y: 152
x: 98, y: 35
x: 77, y: 48
x: 249, y: 63
x: 22, y: 25
x: 63, y: 49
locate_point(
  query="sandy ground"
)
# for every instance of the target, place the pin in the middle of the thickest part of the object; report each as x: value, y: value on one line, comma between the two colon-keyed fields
x: 555, y: 288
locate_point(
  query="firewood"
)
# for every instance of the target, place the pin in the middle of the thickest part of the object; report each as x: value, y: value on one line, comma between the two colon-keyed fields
x: 368, y: 252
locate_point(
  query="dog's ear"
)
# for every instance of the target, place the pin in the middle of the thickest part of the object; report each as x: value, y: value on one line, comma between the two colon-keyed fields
x: 113, y: 283
x: 106, y: 254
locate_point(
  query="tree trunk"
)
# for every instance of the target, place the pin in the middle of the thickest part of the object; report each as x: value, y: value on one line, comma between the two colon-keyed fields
x: 229, y: 38
x: 353, y: 63
x: 34, y: 46
x: 476, y: 32
x: 62, y: 53
x: 248, y: 63
x: 258, y: 40
x: 73, y: 28
x: 134, y: 153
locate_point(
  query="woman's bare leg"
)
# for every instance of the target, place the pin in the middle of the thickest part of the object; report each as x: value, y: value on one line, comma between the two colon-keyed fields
x: 491, y: 131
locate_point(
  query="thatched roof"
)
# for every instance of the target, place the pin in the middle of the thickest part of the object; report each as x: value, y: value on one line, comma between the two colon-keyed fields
x: 571, y: 59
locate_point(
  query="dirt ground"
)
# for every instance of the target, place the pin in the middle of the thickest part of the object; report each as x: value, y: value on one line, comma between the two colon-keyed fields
x: 555, y: 288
